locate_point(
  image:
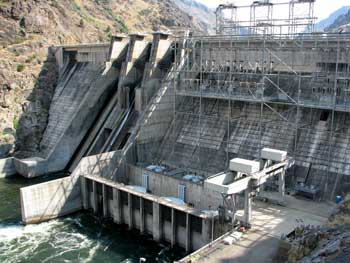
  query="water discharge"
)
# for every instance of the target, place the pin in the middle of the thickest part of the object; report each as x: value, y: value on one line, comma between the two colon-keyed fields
x: 81, y: 237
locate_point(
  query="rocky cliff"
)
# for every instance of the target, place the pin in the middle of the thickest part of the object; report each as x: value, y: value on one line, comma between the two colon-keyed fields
x: 327, y: 22
x: 342, y: 23
x: 28, y: 71
x: 204, y: 15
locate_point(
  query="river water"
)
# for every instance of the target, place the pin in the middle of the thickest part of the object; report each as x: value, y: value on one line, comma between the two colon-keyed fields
x: 81, y: 237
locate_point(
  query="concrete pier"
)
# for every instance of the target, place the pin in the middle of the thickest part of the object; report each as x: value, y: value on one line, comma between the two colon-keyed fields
x: 173, y: 227
x: 105, y: 201
x: 94, y: 197
x: 247, y: 207
x: 282, y: 185
x: 142, y: 216
x: 130, y: 211
x: 116, y: 206
x: 188, y: 233
x: 7, y: 168
x: 84, y: 192
x: 157, y: 226
x: 207, y: 230
x: 165, y: 221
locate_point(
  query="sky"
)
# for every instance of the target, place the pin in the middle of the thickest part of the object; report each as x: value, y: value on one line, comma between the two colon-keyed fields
x: 323, y: 8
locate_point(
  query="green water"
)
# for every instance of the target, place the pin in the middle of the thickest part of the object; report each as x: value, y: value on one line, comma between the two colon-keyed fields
x: 81, y: 237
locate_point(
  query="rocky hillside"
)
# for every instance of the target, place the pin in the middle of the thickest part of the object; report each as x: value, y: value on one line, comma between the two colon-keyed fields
x: 328, y: 243
x: 28, y: 74
x: 199, y: 11
x: 327, y: 22
x: 342, y: 22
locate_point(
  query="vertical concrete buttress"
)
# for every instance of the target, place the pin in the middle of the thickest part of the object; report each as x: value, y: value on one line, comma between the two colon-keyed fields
x: 84, y: 192
x: 247, y: 207
x: 173, y: 227
x: 160, y: 46
x: 116, y: 207
x: 130, y: 212
x: 94, y: 197
x: 206, y: 230
x: 188, y: 233
x: 282, y: 184
x: 118, y: 43
x: 142, y: 216
x: 157, y: 223
x: 137, y: 46
x: 105, y: 200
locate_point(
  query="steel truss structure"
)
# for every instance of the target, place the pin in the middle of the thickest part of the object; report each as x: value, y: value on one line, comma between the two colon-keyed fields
x: 263, y: 20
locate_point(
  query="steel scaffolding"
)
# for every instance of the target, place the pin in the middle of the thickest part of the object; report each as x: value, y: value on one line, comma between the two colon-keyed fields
x: 231, y: 95
x: 232, y: 19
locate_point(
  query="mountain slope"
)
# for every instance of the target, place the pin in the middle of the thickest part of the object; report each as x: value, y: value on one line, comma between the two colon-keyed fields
x: 325, y: 23
x: 199, y: 11
x: 342, y: 22
x: 28, y: 28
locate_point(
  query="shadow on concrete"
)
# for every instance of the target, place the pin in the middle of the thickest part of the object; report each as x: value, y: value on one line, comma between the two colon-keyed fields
x: 64, y: 198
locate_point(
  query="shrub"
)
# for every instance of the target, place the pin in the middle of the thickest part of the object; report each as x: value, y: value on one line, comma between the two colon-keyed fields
x: 31, y: 58
x: 20, y: 67
x: 4, y: 3
x: 15, y: 123
x: 81, y: 23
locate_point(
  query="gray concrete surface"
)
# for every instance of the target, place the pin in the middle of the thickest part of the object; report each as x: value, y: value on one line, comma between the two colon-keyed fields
x: 49, y: 200
x: 60, y: 197
x: 255, y: 247
x: 7, y: 168
x: 269, y: 222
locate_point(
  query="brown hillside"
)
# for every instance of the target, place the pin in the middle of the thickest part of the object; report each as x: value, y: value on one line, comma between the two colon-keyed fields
x: 28, y: 28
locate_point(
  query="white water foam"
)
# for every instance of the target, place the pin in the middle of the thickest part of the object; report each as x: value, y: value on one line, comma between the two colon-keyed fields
x: 18, y: 241
x: 50, y: 241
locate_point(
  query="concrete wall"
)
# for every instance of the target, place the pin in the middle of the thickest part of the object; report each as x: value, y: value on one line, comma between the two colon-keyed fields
x: 30, y: 167
x: 162, y: 185
x: 158, y: 123
x: 60, y: 197
x: 7, y: 167
x: 93, y: 54
x: 97, y: 53
x: 49, y: 200
x: 103, y: 165
x: 59, y: 57
x: 303, y: 59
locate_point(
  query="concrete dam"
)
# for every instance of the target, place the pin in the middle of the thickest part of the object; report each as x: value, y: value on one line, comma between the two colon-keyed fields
x: 176, y: 134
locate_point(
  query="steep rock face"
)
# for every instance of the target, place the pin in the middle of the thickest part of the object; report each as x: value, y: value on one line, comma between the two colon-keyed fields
x: 342, y: 22
x: 204, y: 15
x: 28, y: 72
x: 327, y: 22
